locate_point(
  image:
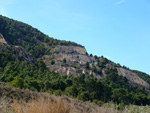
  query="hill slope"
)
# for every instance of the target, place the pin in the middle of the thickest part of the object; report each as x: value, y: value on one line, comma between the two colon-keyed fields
x: 30, y: 59
x: 72, y: 60
x: 65, y: 58
x: 18, y: 52
x: 143, y: 75
x: 21, y: 34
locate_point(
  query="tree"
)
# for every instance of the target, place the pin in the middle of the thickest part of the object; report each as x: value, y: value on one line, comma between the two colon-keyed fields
x: 91, y: 55
x: 96, y: 57
x: 87, y: 65
x: 69, y: 82
x: 99, y: 71
x: 17, y: 82
x: 35, y: 84
x: 52, y: 62
x: 64, y: 60
x: 119, y: 95
x: 71, y: 91
x: 93, y: 96
x: 83, y: 96
x: 58, y: 92
x: 94, y: 69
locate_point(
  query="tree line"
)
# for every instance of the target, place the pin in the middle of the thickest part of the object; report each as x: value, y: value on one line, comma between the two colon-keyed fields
x: 37, y: 77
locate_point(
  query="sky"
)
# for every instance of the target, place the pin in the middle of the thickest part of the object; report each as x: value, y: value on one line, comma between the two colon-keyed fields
x: 117, y: 29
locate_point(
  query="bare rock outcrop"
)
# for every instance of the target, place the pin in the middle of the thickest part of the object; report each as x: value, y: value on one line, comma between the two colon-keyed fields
x: 75, y: 64
x: 2, y: 40
x: 132, y: 77
x: 19, y: 53
x: 70, y: 50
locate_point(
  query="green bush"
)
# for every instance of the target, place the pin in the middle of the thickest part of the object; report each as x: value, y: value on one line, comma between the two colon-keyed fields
x: 58, y: 92
x: 64, y: 60
x: 17, y: 82
x: 121, y: 106
x: 71, y: 91
x: 83, y: 96
x: 100, y: 103
x: 52, y: 62
x: 95, y: 101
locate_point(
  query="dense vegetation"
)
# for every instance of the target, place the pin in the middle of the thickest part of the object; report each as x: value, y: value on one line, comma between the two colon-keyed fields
x: 18, y: 33
x: 37, y: 78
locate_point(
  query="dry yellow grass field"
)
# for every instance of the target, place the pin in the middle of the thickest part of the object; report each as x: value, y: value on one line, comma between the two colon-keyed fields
x: 42, y: 105
x: 59, y: 105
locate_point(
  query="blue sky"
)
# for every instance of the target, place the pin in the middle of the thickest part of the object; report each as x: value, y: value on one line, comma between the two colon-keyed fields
x: 116, y: 29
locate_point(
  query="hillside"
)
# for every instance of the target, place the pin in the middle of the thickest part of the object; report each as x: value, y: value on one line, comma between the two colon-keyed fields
x: 32, y: 60
x: 143, y: 75
x: 21, y: 34
x: 16, y: 52
x: 52, y: 50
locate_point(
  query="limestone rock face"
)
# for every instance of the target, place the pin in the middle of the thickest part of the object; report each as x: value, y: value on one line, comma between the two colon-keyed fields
x: 76, y: 59
x: 19, y: 53
x: 75, y: 64
x: 70, y: 50
x: 132, y: 77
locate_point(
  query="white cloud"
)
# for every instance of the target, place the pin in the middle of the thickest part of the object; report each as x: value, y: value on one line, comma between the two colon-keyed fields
x: 4, y: 6
x: 108, y: 57
x: 3, y: 11
x: 120, y: 2
x: 7, y: 2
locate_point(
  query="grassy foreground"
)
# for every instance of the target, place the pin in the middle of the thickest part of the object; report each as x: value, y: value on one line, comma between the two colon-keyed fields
x: 60, y: 105
x: 14, y: 100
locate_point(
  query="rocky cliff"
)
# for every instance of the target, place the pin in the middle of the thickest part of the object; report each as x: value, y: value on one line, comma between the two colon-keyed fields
x: 19, y: 53
x: 2, y: 40
x: 72, y: 60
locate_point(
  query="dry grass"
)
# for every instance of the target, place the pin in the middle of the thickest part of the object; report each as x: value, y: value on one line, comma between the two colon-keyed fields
x: 33, y: 102
x: 42, y: 105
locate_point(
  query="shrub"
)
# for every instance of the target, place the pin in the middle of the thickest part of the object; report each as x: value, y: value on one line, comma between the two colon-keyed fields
x: 17, y: 82
x: 58, y: 92
x: 87, y: 65
x: 99, y: 71
x: 121, y: 106
x: 52, y: 62
x: 95, y: 101
x: 83, y: 96
x: 64, y: 60
x: 100, y: 103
